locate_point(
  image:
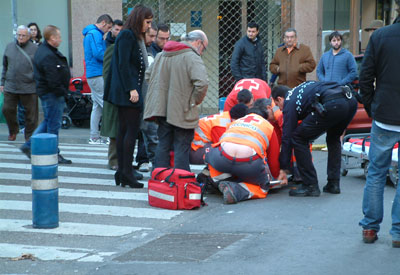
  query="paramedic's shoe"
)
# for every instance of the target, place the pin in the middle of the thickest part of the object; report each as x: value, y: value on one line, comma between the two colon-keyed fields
x: 144, y: 167
x: 396, y: 244
x: 226, y: 190
x: 369, y: 235
x: 305, y: 191
x: 62, y: 160
x: 332, y: 187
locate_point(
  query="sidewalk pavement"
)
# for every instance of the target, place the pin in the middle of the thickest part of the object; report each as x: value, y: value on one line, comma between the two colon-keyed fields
x: 80, y: 135
x: 73, y: 135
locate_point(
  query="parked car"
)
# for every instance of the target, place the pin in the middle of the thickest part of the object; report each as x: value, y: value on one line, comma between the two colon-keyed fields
x: 361, y: 122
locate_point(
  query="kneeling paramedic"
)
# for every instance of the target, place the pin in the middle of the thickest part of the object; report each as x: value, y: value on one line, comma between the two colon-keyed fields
x: 322, y: 107
x: 245, y: 159
x: 210, y: 129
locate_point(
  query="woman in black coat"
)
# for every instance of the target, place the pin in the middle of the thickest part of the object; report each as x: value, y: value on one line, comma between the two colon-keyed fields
x: 124, y: 89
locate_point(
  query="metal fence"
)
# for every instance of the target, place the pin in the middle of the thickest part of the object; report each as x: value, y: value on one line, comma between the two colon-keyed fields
x: 224, y: 22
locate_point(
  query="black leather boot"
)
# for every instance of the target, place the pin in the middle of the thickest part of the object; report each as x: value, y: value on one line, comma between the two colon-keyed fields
x: 305, y: 191
x: 332, y: 187
x: 131, y: 182
x: 116, y: 178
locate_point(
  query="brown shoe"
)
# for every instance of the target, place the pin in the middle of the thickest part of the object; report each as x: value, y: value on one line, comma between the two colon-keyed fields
x: 369, y: 236
x: 12, y: 137
x: 396, y: 244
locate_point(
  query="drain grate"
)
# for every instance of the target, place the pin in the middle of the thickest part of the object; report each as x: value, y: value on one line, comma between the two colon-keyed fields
x: 180, y: 248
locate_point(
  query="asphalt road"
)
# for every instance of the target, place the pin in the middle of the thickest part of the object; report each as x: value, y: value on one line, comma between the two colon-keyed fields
x: 276, y: 235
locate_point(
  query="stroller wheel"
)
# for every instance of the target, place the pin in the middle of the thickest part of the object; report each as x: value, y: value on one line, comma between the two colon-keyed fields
x: 66, y: 122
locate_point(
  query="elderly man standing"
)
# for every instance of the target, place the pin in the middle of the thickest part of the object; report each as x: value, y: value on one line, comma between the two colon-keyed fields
x: 292, y: 61
x: 18, y: 84
x: 177, y: 84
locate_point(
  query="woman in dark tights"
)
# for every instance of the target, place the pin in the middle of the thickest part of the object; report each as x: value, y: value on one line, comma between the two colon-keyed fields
x: 123, y: 88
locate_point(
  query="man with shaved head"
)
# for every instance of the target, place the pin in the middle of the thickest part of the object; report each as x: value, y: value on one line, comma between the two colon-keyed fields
x: 178, y: 83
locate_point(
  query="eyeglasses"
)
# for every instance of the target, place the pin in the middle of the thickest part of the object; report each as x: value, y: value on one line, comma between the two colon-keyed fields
x: 21, y: 35
x: 204, y: 47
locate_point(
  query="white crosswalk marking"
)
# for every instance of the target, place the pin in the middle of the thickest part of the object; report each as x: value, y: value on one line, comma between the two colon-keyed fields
x: 86, y: 179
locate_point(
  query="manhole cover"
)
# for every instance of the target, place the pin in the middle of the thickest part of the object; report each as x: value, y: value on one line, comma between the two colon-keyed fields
x: 180, y: 248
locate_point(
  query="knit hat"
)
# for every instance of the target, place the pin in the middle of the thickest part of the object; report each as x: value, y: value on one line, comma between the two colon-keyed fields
x: 375, y: 24
x: 238, y: 111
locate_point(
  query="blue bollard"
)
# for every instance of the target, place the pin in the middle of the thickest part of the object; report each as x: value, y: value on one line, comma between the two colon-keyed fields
x: 222, y: 103
x: 44, y: 159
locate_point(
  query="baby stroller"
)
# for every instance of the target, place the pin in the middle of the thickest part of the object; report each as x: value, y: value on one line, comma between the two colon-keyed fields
x: 78, y: 105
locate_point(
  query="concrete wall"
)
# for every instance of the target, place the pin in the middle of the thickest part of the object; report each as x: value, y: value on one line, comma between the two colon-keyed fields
x: 368, y: 14
x: 307, y: 20
x: 43, y: 12
x: 84, y: 13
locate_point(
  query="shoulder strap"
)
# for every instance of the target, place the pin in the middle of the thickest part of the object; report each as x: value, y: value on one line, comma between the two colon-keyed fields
x: 25, y: 54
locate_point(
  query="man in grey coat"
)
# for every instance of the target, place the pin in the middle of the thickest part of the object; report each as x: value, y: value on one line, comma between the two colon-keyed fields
x: 18, y: 84
x: 177, y: 85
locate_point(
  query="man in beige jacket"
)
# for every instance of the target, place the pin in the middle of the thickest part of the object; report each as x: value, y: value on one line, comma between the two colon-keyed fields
x: 177, y: 84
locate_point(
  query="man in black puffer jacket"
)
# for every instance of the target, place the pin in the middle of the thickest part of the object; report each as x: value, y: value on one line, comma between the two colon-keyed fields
x: 248, y: 56
x: 379, y: 88
x: 51, y: 73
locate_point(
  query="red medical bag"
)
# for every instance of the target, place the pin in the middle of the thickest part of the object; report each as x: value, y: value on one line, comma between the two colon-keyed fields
x: 173, y: 188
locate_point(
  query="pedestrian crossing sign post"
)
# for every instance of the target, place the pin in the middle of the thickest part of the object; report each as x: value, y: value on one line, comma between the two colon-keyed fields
x: 44, y: 159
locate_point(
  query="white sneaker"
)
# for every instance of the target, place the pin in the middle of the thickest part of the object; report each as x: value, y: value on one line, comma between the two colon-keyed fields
x: 95, y: 141
x: 144, y: 167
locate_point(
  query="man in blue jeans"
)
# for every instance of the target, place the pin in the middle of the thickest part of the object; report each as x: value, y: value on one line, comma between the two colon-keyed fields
x: 51, y: 73
x: 381, y: 101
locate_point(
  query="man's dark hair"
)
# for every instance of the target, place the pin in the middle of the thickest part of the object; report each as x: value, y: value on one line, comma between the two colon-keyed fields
x: 291, y: 30
x: 263, y: 102
x: 244, y: 96
x: 135, y: 20
x: 162, y: 27
x: 335, y: 34
x: 154, y: 27
x: 279, y: 91
x: 238, y: 111
x: 252, y: 24
x: 118, y: 22
x: 105, y: 17
x: 259, y: 111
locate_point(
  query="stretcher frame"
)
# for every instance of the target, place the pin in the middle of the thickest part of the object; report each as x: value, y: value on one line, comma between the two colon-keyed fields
x: 356, y: 157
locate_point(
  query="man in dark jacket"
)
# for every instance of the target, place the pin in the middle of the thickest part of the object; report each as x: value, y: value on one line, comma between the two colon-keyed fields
x: 321, y: 107
x: 18, y: 84
x: 162, y: 37
x: 248, y: 56
x: 51, y: 73
x: 379, y: 89
x: 113, y: 33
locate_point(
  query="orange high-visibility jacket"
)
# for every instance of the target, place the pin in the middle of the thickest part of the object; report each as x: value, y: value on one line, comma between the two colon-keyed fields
x: 210, y: 129
x: 257, y: 133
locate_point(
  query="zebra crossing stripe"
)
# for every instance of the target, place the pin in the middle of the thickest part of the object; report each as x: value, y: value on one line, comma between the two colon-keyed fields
x: 64, y: 180
x: 52, y: 253
x: 74, y: 160
x: 119, y: 211
x: 63, y: 192
x: 70, y: 228
x: 67, y: 153
x: 61, y: 168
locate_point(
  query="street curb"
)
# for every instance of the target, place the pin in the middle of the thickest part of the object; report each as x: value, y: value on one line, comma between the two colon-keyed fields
x: 318, y: 147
